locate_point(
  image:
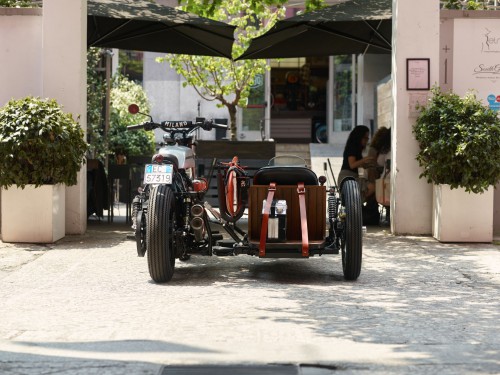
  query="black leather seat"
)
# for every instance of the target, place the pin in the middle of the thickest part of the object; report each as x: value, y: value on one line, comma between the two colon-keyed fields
x: 285, y: 175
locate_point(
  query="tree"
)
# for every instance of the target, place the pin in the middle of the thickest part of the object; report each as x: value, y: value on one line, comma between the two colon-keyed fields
x: 465, y: 4
x: 224, y: 80
x: 208, y: 7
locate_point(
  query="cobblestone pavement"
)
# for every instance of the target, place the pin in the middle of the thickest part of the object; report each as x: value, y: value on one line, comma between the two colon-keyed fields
x: 86, y: 305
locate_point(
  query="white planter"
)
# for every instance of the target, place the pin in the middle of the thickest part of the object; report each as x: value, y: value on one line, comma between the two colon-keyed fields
x: 458, y: 216
x: 33, y: 215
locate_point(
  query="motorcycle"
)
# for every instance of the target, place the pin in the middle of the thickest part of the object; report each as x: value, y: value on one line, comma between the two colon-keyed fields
x: 168, y: 214
x: 288, y: 208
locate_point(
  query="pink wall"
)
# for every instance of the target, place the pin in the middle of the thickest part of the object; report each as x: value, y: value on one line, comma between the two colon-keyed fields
x: 20, y: 53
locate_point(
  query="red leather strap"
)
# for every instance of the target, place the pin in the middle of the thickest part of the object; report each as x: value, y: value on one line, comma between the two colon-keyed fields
x: 303, y: 218
x: 265, y: 219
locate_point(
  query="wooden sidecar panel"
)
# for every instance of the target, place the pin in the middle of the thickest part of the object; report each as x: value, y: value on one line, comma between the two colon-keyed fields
x: 315, y: 207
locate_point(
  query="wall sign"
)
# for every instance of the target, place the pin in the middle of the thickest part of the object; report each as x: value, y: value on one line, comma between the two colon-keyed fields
x: 477, y: 59
x: 418, y: 74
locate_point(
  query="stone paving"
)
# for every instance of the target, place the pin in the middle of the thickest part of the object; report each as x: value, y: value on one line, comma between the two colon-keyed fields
x: 86, y: 305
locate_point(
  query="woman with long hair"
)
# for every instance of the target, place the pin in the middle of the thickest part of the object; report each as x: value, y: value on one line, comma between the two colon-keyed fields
x: 379, y: 149
x: 353, y: 159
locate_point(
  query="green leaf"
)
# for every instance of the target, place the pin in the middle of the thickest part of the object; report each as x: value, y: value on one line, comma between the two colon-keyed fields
x: 458, y: 141
x: 34, y: 150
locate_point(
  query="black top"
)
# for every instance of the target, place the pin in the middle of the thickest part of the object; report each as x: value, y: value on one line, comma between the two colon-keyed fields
x: 350, y: 150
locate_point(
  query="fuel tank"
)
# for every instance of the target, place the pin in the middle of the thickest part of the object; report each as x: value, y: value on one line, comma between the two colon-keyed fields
x: 181, y: 156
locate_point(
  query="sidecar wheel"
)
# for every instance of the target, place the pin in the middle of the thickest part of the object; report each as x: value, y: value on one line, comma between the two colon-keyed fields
x: 159, y: 234
x: 352, y: 238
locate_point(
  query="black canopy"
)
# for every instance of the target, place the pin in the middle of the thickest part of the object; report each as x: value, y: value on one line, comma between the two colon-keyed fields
x: 355, y: 26
x: 143, y: 25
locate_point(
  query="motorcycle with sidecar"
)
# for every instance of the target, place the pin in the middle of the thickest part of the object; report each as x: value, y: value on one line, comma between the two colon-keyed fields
x: 291, y: 213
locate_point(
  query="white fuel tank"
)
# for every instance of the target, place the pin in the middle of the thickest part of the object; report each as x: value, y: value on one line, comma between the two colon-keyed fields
x: 181, y: 156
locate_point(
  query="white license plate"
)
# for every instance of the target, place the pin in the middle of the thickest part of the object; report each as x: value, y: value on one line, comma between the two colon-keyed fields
x: 158, y: 174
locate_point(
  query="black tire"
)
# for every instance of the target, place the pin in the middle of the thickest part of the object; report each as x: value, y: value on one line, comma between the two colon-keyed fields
x: 352, y: 238
x: 159, y: 234
x: 140, y: 233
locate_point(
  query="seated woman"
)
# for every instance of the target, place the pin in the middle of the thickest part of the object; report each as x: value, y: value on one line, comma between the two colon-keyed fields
x: 353, y: 159
x: 380, y: 148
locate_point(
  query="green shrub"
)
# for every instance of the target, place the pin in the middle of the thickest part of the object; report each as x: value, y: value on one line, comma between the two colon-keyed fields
x: 459, y: 141
x: 39, y: 144
x: 121, y: 141
x: 18, y: 4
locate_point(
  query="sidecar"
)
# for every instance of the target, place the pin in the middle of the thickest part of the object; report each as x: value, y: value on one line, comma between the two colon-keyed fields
x: 292, y: 214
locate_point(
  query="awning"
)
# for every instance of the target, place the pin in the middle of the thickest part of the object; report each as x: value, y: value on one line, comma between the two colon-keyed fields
x: 143, y: 25
x: 355, y: 26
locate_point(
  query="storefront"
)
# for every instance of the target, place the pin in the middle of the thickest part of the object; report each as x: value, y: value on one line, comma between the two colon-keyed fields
x: 298, y: 91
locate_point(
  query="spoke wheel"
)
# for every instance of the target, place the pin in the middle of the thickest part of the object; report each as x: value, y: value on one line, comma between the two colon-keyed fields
x: 159, y: 234
x: 352, y: 237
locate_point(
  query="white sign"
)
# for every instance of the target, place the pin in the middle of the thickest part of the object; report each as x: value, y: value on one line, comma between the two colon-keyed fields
x: 476, y: 59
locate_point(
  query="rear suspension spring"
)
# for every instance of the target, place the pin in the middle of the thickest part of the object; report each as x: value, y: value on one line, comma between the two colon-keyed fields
x: 332, y: 206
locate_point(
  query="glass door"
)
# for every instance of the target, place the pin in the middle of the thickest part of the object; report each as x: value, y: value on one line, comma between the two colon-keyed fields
x: 251, y: 124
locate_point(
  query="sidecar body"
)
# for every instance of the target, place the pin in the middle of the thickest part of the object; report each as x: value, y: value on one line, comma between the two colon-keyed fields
x: 287, y: 223
x: 292, y: 214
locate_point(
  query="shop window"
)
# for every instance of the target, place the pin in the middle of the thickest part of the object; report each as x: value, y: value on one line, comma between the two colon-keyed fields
x: 253, y: 115
x: 343, y: 93
x: 299, y: 84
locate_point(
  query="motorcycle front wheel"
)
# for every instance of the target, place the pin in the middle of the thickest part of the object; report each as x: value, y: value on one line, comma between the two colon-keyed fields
x: 159, y: 233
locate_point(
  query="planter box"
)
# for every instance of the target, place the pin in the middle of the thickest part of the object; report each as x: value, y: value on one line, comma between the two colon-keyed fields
x: 458, y: 216
x: 33, y: 215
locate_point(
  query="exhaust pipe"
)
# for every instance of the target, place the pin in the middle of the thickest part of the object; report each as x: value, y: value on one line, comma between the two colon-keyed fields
x: 197, y: 222
x: 197, y: 210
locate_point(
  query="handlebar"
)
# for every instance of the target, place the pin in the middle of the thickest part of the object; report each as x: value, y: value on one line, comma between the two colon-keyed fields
x: 135, y: 127
x: 169, y: 126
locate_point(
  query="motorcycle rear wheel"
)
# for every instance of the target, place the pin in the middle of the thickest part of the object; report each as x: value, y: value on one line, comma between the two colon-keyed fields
x: 159, y: 233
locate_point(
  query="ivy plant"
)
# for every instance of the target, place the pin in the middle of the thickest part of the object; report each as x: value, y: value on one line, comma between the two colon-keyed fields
x: 96, y: 94
x: 459, y: 140
x: 39, y: 144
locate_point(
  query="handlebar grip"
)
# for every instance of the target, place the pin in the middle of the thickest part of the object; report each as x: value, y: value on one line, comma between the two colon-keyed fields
x: 220, y: 126
x: 134, y: 127
x: 210, y: 124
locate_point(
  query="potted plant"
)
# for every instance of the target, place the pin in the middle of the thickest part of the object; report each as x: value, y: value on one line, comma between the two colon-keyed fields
x: 459, y: 140
x: 41, y: 150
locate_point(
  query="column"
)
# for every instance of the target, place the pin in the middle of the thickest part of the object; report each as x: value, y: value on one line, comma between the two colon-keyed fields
x: 415, y: 35
x: 65, y: 79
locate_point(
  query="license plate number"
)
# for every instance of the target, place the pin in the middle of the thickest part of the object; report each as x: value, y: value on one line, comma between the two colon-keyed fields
x: 158, y: 174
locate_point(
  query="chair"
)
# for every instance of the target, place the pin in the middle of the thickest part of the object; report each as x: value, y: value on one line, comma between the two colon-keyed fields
x: 383, y: 189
